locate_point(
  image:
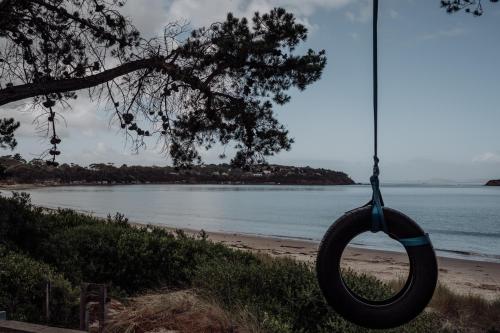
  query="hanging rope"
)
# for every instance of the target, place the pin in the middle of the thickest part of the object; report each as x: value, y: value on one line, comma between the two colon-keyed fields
x: 378, y: 221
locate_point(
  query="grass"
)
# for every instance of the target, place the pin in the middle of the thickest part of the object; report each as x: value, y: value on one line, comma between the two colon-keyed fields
x: 460, y: 313
x: 182, y: 311
x: 466, y: 313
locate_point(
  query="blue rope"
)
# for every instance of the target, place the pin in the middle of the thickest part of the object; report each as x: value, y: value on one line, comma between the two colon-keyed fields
x: 415, y: 241
x: 378, y: 221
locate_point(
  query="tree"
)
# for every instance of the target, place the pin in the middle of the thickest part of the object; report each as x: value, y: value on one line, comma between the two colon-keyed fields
x: 216, y: 85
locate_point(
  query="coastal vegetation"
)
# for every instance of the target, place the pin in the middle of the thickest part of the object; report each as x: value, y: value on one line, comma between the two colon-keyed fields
x: 15, y: 170
x: 254, y: 292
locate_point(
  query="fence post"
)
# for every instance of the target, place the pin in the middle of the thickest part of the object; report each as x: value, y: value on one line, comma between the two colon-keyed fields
x: 102, y: 301
x: 95, y: 293
x: 48, y: 289
x: 83, y: 306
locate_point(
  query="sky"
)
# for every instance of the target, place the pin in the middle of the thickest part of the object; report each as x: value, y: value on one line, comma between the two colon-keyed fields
x: 439, y: 92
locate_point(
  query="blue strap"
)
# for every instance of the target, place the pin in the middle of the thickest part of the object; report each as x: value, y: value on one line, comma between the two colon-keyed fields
x: 415, y: 241
x: 378, y: 221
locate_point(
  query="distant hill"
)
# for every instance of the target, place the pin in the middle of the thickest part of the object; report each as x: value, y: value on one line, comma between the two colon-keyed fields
x: 495, y: 182
x: 15, y: 170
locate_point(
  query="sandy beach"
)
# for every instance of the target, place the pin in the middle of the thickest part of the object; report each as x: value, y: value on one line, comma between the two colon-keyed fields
x: 462, y: 276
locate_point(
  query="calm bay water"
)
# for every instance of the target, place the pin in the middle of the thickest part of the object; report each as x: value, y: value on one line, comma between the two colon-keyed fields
x: 463, y: 221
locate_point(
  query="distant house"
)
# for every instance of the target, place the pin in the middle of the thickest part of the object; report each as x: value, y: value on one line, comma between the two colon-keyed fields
x: 257, y: 174
x: 267, y: 172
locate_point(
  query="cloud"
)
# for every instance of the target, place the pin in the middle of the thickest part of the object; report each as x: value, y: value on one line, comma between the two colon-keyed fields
x: 363, y: 13
x: 149, y: 17
x: 201, y: 14
x: 152, y: 17
x: 393, y: 14
x: 354, y: 35
x: 487, y: 157
x: 84, y: 116
x: 447, y: 33
x: 105, y: 152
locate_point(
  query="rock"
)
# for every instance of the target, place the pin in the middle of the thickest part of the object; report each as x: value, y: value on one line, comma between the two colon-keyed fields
x: 495, y: 182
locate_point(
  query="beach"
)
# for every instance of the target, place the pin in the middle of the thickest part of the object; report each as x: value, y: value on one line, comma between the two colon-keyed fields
x: 461, y: 276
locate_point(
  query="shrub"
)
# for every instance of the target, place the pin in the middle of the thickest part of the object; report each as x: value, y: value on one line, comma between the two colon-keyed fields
x: 284, y: 294
x: 22, y: 291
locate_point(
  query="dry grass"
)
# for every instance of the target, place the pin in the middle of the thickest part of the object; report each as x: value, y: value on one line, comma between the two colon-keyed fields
x: 461, y: 313
x: 472, y: 313
x: 181, y: 311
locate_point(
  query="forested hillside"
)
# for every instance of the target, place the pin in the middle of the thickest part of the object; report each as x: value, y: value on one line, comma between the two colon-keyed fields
x: 15, y: 170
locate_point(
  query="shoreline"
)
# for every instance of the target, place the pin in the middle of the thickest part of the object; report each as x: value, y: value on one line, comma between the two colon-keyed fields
x: 27, y: 186
x: 18, y: 186
x: 462, y: 276
x: 458, y: 255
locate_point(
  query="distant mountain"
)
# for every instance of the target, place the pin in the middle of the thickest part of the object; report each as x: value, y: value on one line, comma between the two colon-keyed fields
x: 495, y: 182
x: 15, y: 170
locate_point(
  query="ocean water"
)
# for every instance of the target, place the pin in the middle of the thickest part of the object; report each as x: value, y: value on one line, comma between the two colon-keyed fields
x: 463, y: 221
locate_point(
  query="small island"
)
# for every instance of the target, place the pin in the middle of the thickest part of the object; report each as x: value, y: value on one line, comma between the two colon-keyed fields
x: 494, y: 182
x: 16, y: 170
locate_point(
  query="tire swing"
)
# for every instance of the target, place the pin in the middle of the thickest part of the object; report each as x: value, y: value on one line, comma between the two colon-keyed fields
x: 422, y: 278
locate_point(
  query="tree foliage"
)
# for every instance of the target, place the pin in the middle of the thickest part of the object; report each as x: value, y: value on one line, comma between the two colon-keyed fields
x: 474, y: 7
x: 214, y: 85
x: 7, y: 129
x: 14, y: 169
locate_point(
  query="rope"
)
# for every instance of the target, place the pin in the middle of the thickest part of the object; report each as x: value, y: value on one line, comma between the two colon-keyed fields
x: 375, y: 82
x: 378, y: 221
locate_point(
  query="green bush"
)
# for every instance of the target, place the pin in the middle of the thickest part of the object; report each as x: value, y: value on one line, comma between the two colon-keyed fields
x: 23, y: 291
x: 284, y: 294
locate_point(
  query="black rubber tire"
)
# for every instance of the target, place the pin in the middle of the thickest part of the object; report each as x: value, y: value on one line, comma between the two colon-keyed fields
x: 400, y: 308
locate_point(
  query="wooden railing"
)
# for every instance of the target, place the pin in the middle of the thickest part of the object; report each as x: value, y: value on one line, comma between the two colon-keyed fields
x: 10, y: 326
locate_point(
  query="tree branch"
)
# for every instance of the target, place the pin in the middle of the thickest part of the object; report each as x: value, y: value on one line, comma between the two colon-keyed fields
x: 20, y: 92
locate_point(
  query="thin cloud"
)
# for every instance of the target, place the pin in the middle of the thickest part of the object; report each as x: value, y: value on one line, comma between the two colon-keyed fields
x: 83, y: 115
x: 354, y: 35
x: 447, y: 33
x: 363, y: 13
x: 201, y: 14
x: 487, y: 157
x: 393, y: 13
